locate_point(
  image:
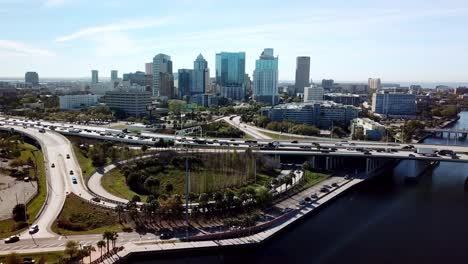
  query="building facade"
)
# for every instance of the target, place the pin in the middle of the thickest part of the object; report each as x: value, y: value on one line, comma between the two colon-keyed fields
x: 394, y: 104
x: 163, y: 81
x: 346, y: 99
x: 130, y: 101
x: 374, y: 84
x: 149, y: 68
x: 69, y: 102
x: 230, y: 74
x: 313, y: 93
x: 327, y: 84
x: 135, y: 78
x: 323, y: 114
x: 201, y: 76
x: 114, y: 75
x: 370, y: 129
x: 31, y: 79
x: 265, y: 78
x: 94, y: 76
x: 302, y: 74
x: 185, y: 82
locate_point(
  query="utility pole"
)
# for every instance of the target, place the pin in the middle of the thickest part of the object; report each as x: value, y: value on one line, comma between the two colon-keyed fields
x: 187, y: 190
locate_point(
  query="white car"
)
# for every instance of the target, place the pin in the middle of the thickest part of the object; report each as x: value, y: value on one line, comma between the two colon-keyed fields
x: 33, y: 229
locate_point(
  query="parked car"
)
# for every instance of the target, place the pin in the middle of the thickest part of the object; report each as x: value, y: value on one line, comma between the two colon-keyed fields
x: 68, y: 156
x: 165, y: 233
x: 324, y: 190
x: 71, y: 172
x: 95, y: 199
x: 53, y: 165
x: 74, y: 180
x: 302, y: 202
x: 286, y: 210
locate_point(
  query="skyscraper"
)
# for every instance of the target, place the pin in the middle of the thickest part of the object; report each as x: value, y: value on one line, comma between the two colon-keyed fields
x: 302, y: 73
x: 31, y: 78
x: 230, y: 73
x: 94, y: 76
x: 185, y: 80
x: 265, y: 78
x: 374, y: 84
x: 149, y: 68
x: 163, y: 81
x: 114, y: 75
x: 201, y: 75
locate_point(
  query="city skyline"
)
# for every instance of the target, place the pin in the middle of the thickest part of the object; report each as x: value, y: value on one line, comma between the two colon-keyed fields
x: 391, y: 40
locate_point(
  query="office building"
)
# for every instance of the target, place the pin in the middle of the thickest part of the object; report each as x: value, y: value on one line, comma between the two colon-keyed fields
x: 201, y: 76
x: 302, y: 74
x: 149, y: 68
x: 130, y: 101
x: 31, y: 79
x: 394, y: 104
x: 327, y: 84
x: 94, y: 76
x: 135, y: 78
x: 323, y: 114
x: 205, y: 100
x: 163, y: 81
x: 114, y: 75
x: 346, y: 99
x: 370, y: 129
x: 230, y: 74
x: 185, y: 82
x: 265, y: 78
x: 69, y: 102
x: 374, y: 84
x: 100, y: 88
x: 354, y: 88
x: 313, y: 93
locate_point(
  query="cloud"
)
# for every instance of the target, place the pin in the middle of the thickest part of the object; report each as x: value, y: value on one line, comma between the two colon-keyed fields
x: 124, y: 25
x: 20, y: 49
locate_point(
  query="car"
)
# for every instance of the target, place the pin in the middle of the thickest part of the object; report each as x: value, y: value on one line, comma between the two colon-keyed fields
x: 74, y: 180
x: 334, y: 184
x: 71, y: 172
x: 12, y: 239
x: 33, y: 229
x: 347, y: 177
x: 324, y: 190
x: 165, y: 233
x: 411, y: 155
x: 232, y: 139
x: 95, y: 199
x: 367, y: 152
x: 294, y: 142
x: 28, y: 260
x: 286, y: 210
x: 26, y: 179
x: 454, y: 156
x: 53, y: 165
x: 314, y: 196
x: 68, y: 156
x: 308, y: 200
x: 352, y: 144
x: 302, y: 202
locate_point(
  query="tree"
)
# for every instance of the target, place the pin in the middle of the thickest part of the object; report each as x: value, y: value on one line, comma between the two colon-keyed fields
x: 203, y: 199
x: 119, y: 209
x: 88, y: 250
x: 13, y: 258
x: 19, y: 213
x: 177, y: 106
x: 101, y: 244
x: 136, y: 198
x: 71, y: 248
x: 306, y: 165
x: 169, y: 187
x: 144, y: 148
x: 263, y: 196
x: 107, y: 235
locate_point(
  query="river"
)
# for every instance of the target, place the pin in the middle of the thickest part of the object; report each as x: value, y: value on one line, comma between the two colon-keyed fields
x: 380, y: 221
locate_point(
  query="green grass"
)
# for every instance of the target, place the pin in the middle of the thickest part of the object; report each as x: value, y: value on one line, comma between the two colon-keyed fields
x: 278, y: 136
x: 86, y: 164
x: 114, y: 182
x: 52, y: 257
x: 95, y: 219
x: 34, y: 206
x: 312, y: 178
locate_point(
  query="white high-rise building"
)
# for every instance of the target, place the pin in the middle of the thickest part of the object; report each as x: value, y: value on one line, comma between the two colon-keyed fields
x: 313, y: 93
x: 163, y: 80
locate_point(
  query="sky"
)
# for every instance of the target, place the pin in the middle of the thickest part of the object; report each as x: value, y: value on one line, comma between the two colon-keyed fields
x: 398, y: 40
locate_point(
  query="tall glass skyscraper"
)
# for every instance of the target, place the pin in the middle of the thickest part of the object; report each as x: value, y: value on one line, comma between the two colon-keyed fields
x: 94, y: 76
x: 31, y: 78
x: 114, y: 75
x: 201, y: 76
x: 163, y: 81
x: 302, y: 73
x: 185, y: 82
x: 230, y: 73
x: 265, y: 78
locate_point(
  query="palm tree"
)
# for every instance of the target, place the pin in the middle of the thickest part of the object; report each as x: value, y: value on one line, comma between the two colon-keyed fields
x: 119, y: 209
x: 71, y: 248
x: 114, y: 238
x: 88, y: 249
x: 107, y: 235
x: 101, y: 244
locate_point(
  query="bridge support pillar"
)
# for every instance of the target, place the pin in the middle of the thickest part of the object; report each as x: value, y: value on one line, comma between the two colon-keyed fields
x: 368, y: 169
x: 327, y: 163
x: 412, y: 169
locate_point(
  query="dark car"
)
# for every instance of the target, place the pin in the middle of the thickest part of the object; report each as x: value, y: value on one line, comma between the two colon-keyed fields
x: 68, y: 156
x: 314, y: 196
x: 294, y: 142
x: 411, y: 155
x: 95, y: 199
x: 53, y: 165
x: 166, y: 233
x: 12, y: 239
x: 302, y: 202
x: 308, y: 200
x: 71, y: 172
x: 324, y: 190
x: 334, y: 184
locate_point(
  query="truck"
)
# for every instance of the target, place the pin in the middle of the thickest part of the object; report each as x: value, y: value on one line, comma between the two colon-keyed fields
x: 425, y: 152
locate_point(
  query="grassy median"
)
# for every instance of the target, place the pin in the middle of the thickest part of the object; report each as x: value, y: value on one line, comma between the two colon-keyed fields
x: 7, y: 226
